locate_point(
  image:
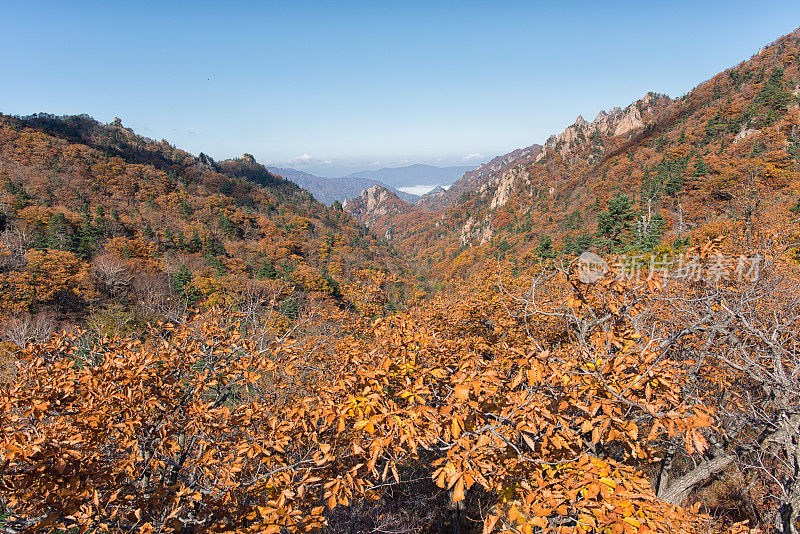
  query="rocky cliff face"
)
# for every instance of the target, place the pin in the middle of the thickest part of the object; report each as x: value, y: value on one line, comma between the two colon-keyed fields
x: 494, y: 183
x: 374, y: 204
x: 495, y: 192
x: 583, y: 136
x: 581, y: 140
x: 487, y: 172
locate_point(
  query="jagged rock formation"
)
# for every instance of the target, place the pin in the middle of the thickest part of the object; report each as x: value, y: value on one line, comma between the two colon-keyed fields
x: 328, y: 190
x: 580, y: 140
x: 496, y: 182
x: 375, y: 203
x: 473, y: 180
x: 614, y: 123
x: 688, y: 155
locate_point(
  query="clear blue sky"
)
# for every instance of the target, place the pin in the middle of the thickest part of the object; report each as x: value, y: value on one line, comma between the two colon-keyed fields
x: 365, y: 84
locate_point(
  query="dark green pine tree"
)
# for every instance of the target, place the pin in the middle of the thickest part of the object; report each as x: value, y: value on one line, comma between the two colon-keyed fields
x: 614, y: 223
x: 267, y: 271
x: 544, y: 249
x: 59, y: 233
x: 181, y: 282
x: 700, y: 167
x: 227, y: 226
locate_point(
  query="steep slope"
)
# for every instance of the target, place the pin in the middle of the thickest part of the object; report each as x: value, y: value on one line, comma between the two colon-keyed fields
x: 93, y: 216
x: 474, y: 179
x: 580, y: 144
x: 328, y: 190
x: 721, y: 159
x: 374, y: 206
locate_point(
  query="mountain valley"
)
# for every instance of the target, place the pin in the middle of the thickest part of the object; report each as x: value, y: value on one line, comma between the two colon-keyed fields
x: 595, y: 333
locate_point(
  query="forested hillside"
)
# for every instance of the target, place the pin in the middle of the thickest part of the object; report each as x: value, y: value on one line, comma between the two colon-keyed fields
x: 101, y: 225
x: 596, y: 334
x: 661, y: 170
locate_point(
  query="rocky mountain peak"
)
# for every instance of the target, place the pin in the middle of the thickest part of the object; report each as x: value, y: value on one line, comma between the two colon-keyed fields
x: 373, y: 204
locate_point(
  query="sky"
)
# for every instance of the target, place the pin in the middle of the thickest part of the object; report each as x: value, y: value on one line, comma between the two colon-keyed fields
x: 335, y: 87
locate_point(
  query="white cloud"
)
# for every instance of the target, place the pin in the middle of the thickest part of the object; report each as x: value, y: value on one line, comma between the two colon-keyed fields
x: 418, y: 189
x: 305, y: 159
x: 472, y: 156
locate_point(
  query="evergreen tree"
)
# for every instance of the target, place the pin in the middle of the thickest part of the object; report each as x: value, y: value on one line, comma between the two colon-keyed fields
x: 88, y: 236
x: 700, y: 167
x: 195, y: 244
x: 59, y: 233
x: 582, y: 243
x: 181, y: 283
x: 651, y: 186
x: 545, y: 248
x: 267, y: 271
x: 648, y: 240
x: 212, y: 247
x: 774, y: 97
x: 674, y: 185
x: 227, y: 226
x: 185, y: 210
x: 615, y: 222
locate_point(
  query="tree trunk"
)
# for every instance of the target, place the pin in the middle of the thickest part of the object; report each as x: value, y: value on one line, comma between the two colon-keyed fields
x: 457, y: 520
x: 666, y: 466
x: 678, y: 490
x: 788, y: 439
x: 456, y: 507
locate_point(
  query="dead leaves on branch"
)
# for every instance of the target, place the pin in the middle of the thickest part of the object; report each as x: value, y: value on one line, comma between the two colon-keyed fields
x: 198, y: 426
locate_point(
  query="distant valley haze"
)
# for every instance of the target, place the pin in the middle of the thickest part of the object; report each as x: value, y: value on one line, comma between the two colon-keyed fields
x: 306, y: 267
x: 334, y: 92
x: 408, y: 182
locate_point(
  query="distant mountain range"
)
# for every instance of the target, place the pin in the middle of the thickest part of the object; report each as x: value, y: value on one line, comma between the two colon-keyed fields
x: 415, y: 175
x: 327, y: 190
x: 682, y: 167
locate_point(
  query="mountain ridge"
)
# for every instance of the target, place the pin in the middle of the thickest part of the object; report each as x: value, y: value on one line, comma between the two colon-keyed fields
x: 328, y: 190
x: 94, y: 216
x: 416, y: 174
x: 375, y: 204
x: 677, y: 161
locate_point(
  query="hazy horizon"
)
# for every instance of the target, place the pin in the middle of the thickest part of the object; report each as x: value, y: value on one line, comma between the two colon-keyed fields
x: 331, y: 91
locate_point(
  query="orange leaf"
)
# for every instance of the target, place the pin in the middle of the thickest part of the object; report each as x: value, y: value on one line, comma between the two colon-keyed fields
x: 489, y: 523
x: 458, y: 491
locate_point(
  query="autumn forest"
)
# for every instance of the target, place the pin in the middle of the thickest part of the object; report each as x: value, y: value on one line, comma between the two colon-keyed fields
x: 598, y: 333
